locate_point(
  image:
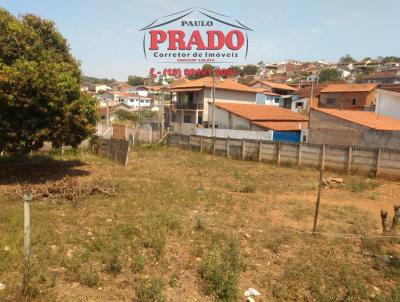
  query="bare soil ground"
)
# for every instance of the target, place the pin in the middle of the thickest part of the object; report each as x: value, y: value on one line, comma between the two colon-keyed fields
x: 184, y: 226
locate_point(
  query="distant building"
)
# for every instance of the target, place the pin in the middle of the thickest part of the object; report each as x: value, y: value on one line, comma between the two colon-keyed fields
x: 347, y: 127
x: 388, y: 101
x: 268, y: 98
x: 283, y: 90
x: 278, y: 88
x: 348, y: 96
x: 135, y: 101
x: 385, y: 77
x: 304, y: 95
x: 97, y: 88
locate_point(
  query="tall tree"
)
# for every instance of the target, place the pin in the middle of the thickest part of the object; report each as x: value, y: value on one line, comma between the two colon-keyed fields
x: 250, y: 69
x: 346, y: 59
x: 329, y: 74
x: 39, y: 87
x: 135, y: 80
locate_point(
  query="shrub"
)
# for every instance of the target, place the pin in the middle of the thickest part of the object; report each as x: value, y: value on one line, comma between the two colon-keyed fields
x: 156, y: 240
x: 221, y: 272
x: 89, y: 278
x: 150, y: 291
x: 138, y: 263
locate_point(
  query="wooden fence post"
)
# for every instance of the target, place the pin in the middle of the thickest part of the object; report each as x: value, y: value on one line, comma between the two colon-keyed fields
x: 243, y: 148
x: 349, y: 159
x: 189, y: 142
x: 259, y: 150
x: 299, y: 154
x: 321, y: 173
x: 214, y: 145
x: 201, y: 144
x: 278, y: 154
x: 127, y: 155
x: 323, y: 158
x: 27, y: 241
x: 150, y: 135
x: 378, y: 162
x: 227, y: 147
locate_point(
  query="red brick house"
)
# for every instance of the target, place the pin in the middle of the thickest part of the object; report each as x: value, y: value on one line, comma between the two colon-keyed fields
x: 349, y: 97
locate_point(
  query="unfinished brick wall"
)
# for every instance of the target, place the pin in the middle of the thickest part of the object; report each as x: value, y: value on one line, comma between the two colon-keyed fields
x: 344, y: 100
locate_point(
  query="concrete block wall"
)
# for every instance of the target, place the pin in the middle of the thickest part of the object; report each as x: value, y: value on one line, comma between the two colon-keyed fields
x: 346, y: 159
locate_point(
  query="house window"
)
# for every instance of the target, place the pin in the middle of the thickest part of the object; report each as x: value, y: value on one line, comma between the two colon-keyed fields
x: 187, y: 119
x: 330, y: 101
x: 276, y: 100
x: 354, y: 102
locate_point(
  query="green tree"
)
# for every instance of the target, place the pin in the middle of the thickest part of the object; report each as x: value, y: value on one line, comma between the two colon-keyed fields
x: 346, y: 59
x: 39, y: 87
x: 250, y: 70
x: 135, y: 80
x: 329, y: 74
x: 391, y: 59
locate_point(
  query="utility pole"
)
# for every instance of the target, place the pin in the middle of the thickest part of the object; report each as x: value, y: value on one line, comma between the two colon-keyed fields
x: 312, y: 94
x: 162, y: 112
x: 213, y: 115
x: 108, y: 114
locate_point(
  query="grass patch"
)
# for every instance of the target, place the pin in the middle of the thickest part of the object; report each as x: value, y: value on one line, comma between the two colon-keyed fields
x: 150, y: 291
x: 360, y: 186
x: 221, y: 271
x: 138, y: 263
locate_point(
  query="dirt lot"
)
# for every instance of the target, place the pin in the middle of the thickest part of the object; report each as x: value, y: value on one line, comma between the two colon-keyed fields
x: 177, y: 225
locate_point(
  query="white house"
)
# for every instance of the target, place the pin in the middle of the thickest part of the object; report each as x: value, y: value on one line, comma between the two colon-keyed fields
x: 388, y: 102
x: 136, y: 101
x: 98, y: 87
x: 268, y: 98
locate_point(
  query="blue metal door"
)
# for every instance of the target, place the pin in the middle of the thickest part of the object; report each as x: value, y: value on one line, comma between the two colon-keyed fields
x: 287, y: 136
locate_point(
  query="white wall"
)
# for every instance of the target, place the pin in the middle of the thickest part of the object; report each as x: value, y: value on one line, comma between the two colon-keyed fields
x: 236, y: 134
x: 388, y: 103
x: 267, y: 99
x: 226, y: 120
x: 226, y: 96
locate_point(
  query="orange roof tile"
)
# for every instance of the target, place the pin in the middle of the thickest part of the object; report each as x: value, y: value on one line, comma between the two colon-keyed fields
x: 256, y: 112
x: 306, y: 92
x: 276, y: 85
x: 282, y: 126
x: 207, y: 82
x: 365, y: 118
x: 349, y: 88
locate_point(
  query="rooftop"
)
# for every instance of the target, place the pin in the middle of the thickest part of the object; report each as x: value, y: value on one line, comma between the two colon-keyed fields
x: 261, y: 113
x: 384, y: 74
x: 365, y: 118
x: 306, y: 92
x: 349, y: 88
x: 207, y: 82
x: 275, y: 85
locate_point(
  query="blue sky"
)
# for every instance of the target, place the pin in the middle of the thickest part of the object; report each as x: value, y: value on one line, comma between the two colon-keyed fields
x: 105, y: 36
